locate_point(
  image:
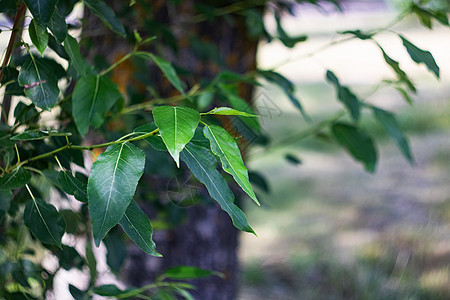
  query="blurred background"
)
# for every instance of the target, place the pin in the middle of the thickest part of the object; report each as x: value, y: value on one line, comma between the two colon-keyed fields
x: 328, y: 229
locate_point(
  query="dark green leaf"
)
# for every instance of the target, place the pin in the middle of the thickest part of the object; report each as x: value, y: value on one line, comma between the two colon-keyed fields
x: 287, y: 40
x: 138, y: 227
x: 106, y: 14
x: 58, y: 26
x: 111, y: 186
x: 91, y: 263
x: 359, y: 34
x: 224, y: 146
x: 420, y: 56
x: 68, y: 257
x: 92, y: 98
x: 359, y: 144
x: 40, y: 83
x: 202, y: 164
x: 73, y: 186
x: 38, y: 134
x: 14, y: 180
x: 10, y: 76
x: 259, y: 180
x: 5, y: 201
x: 73, y: 50
x: 44, y: 221
x: 38, y: 35
x: 76, y: 293
x: 346, y: 96
x: 116, y: 251
x: 167, y: 69
x: 227, y: 111
x: 107, y: 290
x: 187, y: 272
x: 287, y: 86
x: 155, y: 141
x: 57, y: 47
x: 293, y: 159
x: 400, y: 73
x: 389, y: 123
x: 404, y: 94
x: 25, y: 113
x: 177, y: 127
x: 42, y: 10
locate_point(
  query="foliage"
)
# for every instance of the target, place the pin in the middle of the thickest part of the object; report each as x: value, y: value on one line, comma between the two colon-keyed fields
x: 34, y: 151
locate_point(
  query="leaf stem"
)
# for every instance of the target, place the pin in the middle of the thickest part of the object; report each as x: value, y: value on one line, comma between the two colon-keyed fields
x: 114, y: 65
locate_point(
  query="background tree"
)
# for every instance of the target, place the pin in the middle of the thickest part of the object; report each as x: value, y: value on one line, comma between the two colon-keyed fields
x: 120, y: 84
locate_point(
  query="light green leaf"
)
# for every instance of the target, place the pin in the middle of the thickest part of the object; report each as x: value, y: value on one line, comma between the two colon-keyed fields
x: 38, y: 134
x: 38, y: 35
x: 106, y: 14
x: 138, y: 227
x: 92, y: 97
x: 420, y: 56
x: 73, y: 50
x: 5, y: 201
x: 166, y: 67
x: 227, y: 111
x: 224, y: 146
x: 58, y: 26
x: 42, y: 10
x: 187, y: 272
x: 346, y: 96
x: 177, y: 127
x: 14, y: 180
x: 359, y: 144
x: 44, y: 221
x: 111, y: 186
x: 202, y: 164
x: 73, y: 186
x: 389, y: 123
x: 40, y: 82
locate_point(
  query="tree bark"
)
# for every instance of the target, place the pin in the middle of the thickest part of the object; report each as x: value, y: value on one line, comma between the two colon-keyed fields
x: 207, y: 239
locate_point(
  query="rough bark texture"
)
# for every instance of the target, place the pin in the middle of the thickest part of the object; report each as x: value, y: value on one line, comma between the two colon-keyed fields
x: 207, y: 238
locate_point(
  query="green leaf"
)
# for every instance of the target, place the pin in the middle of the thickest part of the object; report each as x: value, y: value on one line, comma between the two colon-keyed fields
x: 155, y: 141
x: 167, y: 69
x: 138, y: 227
x: 389, y: 123
x: 14, y: 180
x: 44, y: 221
x: 76, y: 293
x: 420, y: 56
x: 38, y: 134
x: 400, y: 73
x: 202, y: 164
x: 73, y: 186
x: 107, y: 290
x: 224, y: 146
x: 187, y: 272
x: 5, y: 201
x: 404, y: 94
x: 111, y: 186
x: 287, y: 40
x: 359, y: 145
x: 58, y: 26
x: 91, y: 263
x: 227, y: 111
x: 38, y: 35
x: 73, y: 50
x: 177, y: 127
x: 92, y: 98
x: 116, y: 250
x: 359, y: 34
x: 346, y: 96
x: 42, y: 10
x: 293, y: 159
x: 40, y: 82
x: 106, y: 14
x: 287, y: 86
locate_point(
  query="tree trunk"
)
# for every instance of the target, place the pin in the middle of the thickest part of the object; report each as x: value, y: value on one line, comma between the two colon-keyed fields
x: 207, y: 238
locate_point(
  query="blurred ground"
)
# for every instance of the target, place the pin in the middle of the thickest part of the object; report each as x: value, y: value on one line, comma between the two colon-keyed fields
x: 328, y: 230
